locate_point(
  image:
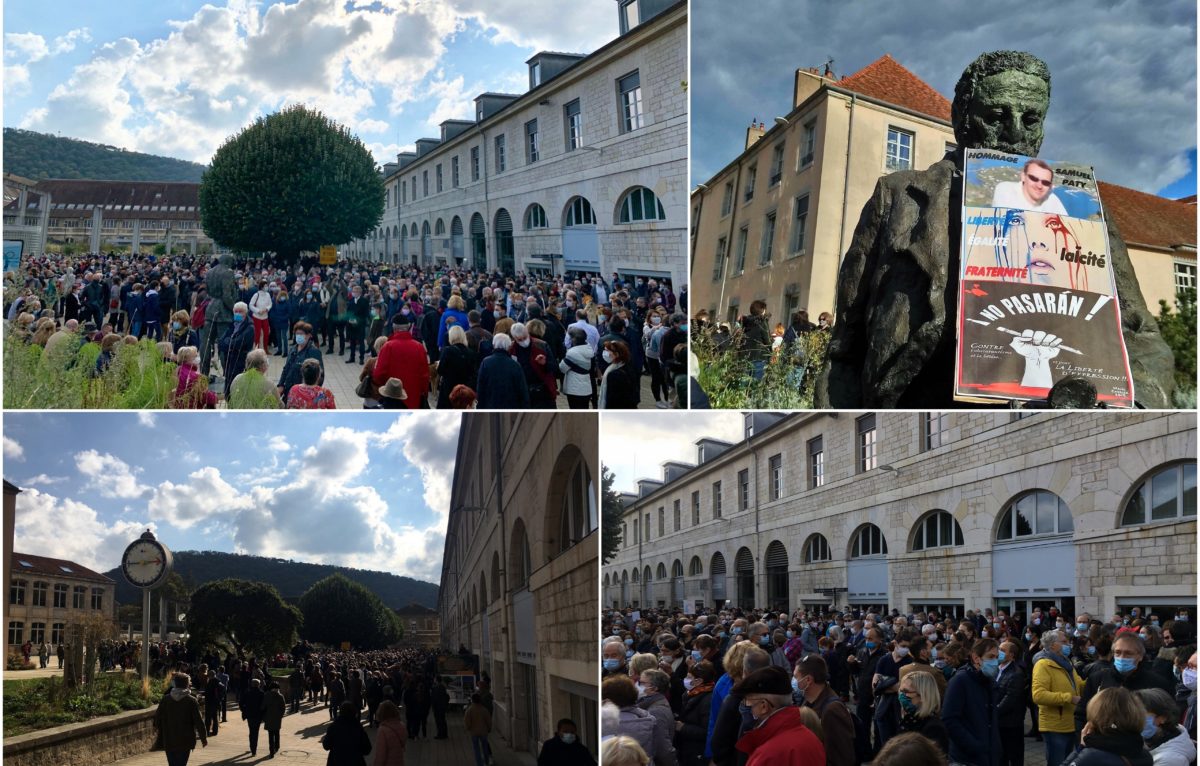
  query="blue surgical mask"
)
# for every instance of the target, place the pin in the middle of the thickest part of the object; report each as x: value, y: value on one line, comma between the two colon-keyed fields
x: 1091, y: 650
x: 789, y: 634
x: 722, y: 634
x: 1066, y: 650
x: 869, y: 644
x: 765, y: 640
x: 1124, y: 664
x: 991, y: 668
x: 737, y: 631
x: 1000, y: 658
x: 795, y: 686
x: 629, y: 642
x: 611, y: 665
x: 907, y: 703
x: 629, y: 654
x: 1150, y: 728
x: 176, y: 325
x: 1081, y: 627
x: 238, y: 317
x: 696, y: 656
x: 300, y: 338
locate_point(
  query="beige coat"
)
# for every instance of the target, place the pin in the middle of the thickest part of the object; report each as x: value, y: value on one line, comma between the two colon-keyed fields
x: 477, y: 720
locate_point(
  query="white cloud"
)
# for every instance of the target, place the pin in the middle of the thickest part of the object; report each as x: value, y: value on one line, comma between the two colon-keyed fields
x: 45, y: 480
x: 204, y: 495
x: 41, y: 520
x: 13, y: 449
x: 66, y: 43
x: 278, y: 443
x: 25, y: 46
x: 146, y: 418
x: 109, y: 474
x: 672, y: 436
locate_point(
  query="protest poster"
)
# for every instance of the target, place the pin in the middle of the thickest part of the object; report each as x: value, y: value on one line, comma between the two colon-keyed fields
x: 12, y: 254
x: 1037, y: 293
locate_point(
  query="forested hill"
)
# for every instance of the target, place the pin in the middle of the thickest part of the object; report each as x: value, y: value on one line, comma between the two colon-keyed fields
x: 40, y: 155
x: 290, y: 578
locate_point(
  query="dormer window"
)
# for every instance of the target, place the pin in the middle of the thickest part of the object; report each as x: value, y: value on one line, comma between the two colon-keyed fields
x: 629, y: 15
x: 535, y: 74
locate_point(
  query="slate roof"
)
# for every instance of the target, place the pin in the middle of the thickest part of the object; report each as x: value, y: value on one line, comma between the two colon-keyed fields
x: 41, y: 565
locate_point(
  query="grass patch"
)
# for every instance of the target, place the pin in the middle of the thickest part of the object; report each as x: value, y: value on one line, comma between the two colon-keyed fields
x: 788, y: 381
x: 42, y: 703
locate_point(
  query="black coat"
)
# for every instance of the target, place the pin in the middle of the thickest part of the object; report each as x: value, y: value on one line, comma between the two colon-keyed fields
x: 1104, y: 676
x: 291, y: 369
x: 501, y: 383
x: 726, y: 730
x: 969, y: 713
x: 251, y: 703
x: 237, y: 341
x: 930, y: 727
x: 689, y: 740
x: 457, y: 365
x: 347, y: 742
x: 621, y: 393
x: 1010, y: 696
x: 555, y: 752
x: 1120, y: 749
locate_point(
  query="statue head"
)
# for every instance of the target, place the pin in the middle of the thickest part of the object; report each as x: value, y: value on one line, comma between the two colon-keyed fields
x: 1000, y: 103
x: 227, y: 260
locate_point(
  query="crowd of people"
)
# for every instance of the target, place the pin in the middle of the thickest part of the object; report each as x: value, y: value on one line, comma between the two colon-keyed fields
x: 754, y: 337
x: 423, y: 337
x: 845, y: 687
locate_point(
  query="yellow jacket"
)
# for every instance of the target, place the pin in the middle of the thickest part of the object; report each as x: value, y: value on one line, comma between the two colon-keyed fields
x: 1052, y: 693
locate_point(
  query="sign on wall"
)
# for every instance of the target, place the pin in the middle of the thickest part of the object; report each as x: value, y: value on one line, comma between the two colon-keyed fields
x: 12, y: 254
x: 1037, y: 293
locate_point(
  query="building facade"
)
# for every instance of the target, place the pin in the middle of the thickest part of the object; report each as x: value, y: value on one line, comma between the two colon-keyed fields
x: 905, y: 510
x: 584, y: 172
x: 520, y: 568
x: 96, y: 216
x: 774, y: 224
x: 421, y: 625
x: 44, y: 594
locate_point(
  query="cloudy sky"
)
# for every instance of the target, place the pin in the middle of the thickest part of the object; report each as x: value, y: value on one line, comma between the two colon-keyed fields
x: 1123, y: 71
x: 176, y: 77
x: 667, y: 436
x: 358, y: 490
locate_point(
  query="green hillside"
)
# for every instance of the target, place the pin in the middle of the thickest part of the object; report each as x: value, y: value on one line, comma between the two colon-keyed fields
x: 290, y: 578
x: 39, y: 155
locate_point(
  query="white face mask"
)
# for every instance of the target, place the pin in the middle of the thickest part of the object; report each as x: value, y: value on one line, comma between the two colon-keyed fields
x: 607, y: 355
x: 523, y: 343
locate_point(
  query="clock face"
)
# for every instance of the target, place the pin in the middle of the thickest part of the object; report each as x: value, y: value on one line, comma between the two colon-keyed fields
x: 144, y: 563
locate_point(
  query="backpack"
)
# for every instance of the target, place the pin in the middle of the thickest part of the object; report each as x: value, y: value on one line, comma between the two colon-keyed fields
x: 862, y: 732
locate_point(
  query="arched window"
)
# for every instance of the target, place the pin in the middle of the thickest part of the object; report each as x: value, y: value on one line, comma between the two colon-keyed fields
x: 661, y: 572
x: 439, y: 228
x: 535, y: 217
x: 868, y: 542
x: 640, y: 204
x: 636, y: 577
x: 579, y: 507
x: 817, y: 549
x: 606, y: 580
x: 677, y: 568
x: 496, y: 573
x: 695, y: 566
x: 938, y: 529
x: 1035, y: 514
x: 646, y: 575
x: 579, y: 213
x: 1167, y: 494
x: 520, y: 564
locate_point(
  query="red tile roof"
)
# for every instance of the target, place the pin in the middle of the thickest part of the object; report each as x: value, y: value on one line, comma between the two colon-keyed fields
x: 41, y: 565
x: 1145, y: 219
x: 886, y: 80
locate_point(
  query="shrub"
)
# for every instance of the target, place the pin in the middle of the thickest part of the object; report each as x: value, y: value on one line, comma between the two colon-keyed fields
x: 788, y: 381
x: 46, y: 702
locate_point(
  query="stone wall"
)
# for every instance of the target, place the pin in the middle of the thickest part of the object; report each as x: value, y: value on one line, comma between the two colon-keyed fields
x: 90, y: 743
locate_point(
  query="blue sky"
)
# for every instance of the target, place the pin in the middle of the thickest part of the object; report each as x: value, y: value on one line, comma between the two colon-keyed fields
x: 1123, y: 72
x: 358, y: 490
x: 176, y: 78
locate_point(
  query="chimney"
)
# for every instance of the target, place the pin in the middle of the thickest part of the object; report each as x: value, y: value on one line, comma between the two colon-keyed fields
x: 754, y: 132
x: 809, y: 80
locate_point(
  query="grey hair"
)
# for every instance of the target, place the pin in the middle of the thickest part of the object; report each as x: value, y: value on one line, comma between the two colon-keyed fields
x: 518, y: 331
x: 257, y: 359
x: 1158, y: 702
x: 1052, y: 637
x: 836, y: 634
x: 501, y: 342
x: 241, y: 305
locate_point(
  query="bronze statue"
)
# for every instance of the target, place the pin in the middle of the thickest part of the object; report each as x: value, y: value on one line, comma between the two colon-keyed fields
x: 893, y: 343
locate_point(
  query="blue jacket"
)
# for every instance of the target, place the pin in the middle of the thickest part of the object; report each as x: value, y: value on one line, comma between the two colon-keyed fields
x: 461, y: 319
x: 151, y: 308
x: 501, y: 384
x: 134, y: 307
x: 972, y: 721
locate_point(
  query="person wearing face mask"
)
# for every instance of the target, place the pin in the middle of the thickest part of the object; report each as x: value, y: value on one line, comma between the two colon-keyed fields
x: 1113, y: 734
x: 564, y: 748
x: 810, y: 684
x: 1012, y: 685
x: 1129, y: 670
x: 866, y: 662
x: 1187, y: 682
x: 181, y: 334
x: 634, y: 722
x: 618, y: 387
x: 885, y: 684
x: 652, y: 686
x: 233, y: 346
x: 260, y: 310
x: 728, y: 717
x: 303, y: 349
x: 613, y: 657
x: 969, y: 708
x: 1167, y: 741
x: 691, y: 730
x: 1056, y: 689
x: 778, y: 736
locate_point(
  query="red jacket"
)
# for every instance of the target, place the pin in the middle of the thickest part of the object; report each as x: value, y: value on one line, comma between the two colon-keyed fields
x: 404, y: 358
x: 782, y: 741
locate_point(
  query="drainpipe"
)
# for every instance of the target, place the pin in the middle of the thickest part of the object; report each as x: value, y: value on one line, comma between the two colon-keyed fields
x: 737, y: 183
x: 487, y: 201
x: 845, y: 193
x: 506, y: 602
x: 757, y: 540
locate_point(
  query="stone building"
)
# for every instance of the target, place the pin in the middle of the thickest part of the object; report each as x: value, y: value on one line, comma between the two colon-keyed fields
x: 584, y: 172
x: 97, y: 216
x: 45, y: 593
x: 774, y: 224
x: 421, y: 625
x: 958, y: 510
x: 520, y: 568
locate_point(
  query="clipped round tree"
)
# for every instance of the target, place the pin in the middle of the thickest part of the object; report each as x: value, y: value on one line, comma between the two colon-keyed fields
x: 291, y: 182
x: 337, y: 609
x: 250, y: 616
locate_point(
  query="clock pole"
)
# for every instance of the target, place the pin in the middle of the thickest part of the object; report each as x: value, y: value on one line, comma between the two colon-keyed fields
x: 164, y: 563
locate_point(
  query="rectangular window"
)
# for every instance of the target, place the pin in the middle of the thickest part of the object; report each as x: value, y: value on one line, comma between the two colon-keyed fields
x: 535, y: 74
x: 636, y: 535
x: 751, y: 177
x: 678, y: 514
x: 500, y: 154
x: 573, y: 121
x: 767, y: 243
x: 16, y: 593
x: 809, y: 147
x: 727, y: 200
x: 16, y: 632
x: 58, y: 633
x: 816, y: 462
x: 646, y: 527
x: 454, y: 172
x: 775, y: 467
x: 39, y: 593
x: 776, y: 165
x: 1185, y: 276
x: 695, y: 508
x: 629, y: 15
x: 424, y: 183
x: 531, y: 141
x: 474, y: 163
x: 743, y: 236
x: 934, y: 427
x: 662, y: 522
x: 414, y: 184
x: 867, y: 458
x: 719, y: 263
x: 744, y: 489
x: 799, y: 224
x: 60, y: 596
x: 37, y: 633
x: 439, y: 178
x: 899, y: 149
x: 630, y: 88
x: 97, y: 598
x: 716, y: 489
x: 79, y: 597
x: 403, y: 192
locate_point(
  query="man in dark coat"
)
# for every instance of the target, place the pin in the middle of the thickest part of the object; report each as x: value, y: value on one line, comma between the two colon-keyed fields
x: 223, y: 293
x: 178, y: 721
x: 251, y: 704
x: 235, y: 344
x: 95, y: 298
x: 439, y: 700
x: 894, y: 340
x: 213, y: 692
x: 1129, y: 669
x: 969, y: 708
x: 564, y: 748
x: 304, y: 348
